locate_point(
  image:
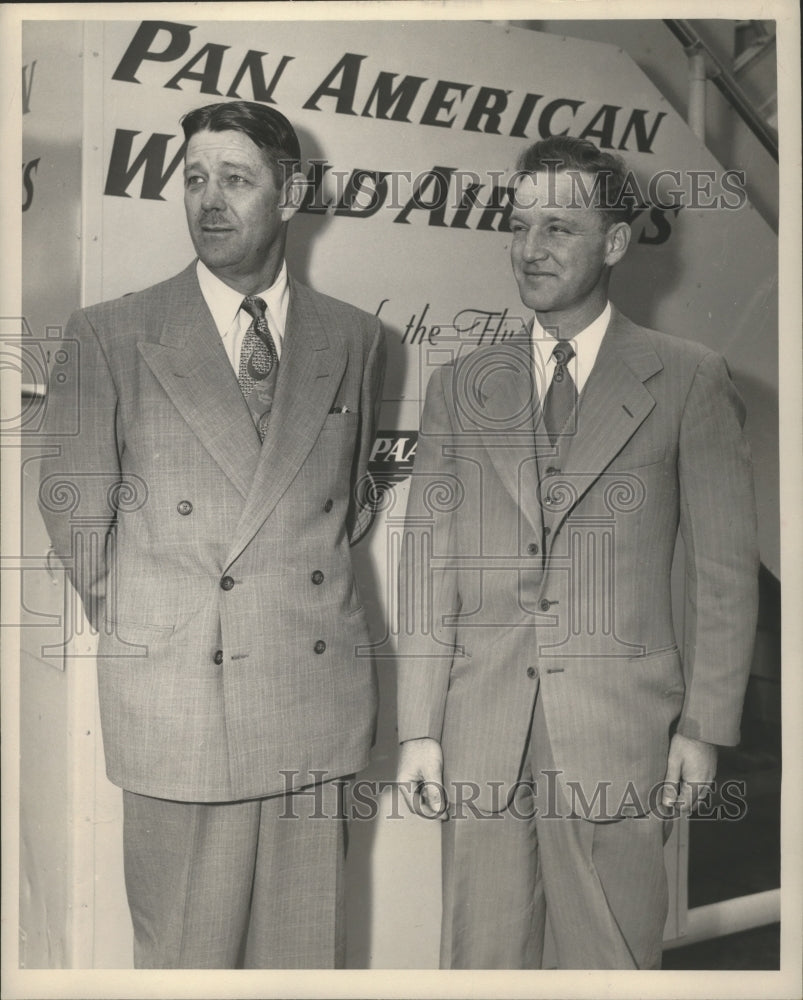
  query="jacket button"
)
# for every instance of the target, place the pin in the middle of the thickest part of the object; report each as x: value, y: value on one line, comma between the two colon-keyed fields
x: 317, y: 577
x: 184, y: 507
x: 532, y: 548
x: 320, y: 646
x: 531, y: 671
x: 545, y: 605
x: 218, y: 657
x: 328, y: 506
x: 226, y: 583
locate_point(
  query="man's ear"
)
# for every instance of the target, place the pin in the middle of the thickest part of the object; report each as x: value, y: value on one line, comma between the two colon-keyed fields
x: 617, y: 240
x: 293, y: 195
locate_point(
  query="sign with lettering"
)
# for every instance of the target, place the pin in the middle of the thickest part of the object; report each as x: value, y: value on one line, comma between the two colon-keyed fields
x: 409, y: 132
x: 409, y: 136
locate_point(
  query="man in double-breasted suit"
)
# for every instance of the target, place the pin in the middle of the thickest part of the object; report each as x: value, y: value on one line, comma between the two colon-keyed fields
x: 225, y: 421
x: 541, y: 687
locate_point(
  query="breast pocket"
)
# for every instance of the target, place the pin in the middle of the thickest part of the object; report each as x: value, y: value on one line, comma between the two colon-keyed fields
x: 340, y: 422
x: 638, y: 457
x: 337, y: 439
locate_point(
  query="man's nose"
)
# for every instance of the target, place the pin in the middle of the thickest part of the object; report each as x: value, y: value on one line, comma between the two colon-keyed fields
x: 212, y: 197
x: 534, y: 248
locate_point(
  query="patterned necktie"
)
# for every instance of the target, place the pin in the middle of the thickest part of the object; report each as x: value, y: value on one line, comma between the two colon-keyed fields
x: 259, y: 364
x: 561, y: 398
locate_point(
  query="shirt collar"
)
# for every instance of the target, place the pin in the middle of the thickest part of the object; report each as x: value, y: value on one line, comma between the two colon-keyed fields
x: 586, y: 345
x: 224, y: 301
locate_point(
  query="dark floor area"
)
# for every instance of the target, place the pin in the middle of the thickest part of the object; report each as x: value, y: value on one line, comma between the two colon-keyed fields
x: 759, y: 948
x: 740, y: 855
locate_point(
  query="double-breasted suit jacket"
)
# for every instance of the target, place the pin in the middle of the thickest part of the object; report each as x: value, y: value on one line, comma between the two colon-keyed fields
x: 218, y: 570
x: 529, y: 567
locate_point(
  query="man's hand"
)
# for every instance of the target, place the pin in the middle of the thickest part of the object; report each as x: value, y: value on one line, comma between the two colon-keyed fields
x: 690, y: 769
x: 420, y: 776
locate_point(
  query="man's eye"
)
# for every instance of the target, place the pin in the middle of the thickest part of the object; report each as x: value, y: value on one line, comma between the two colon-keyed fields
x: 192, y: 181
x: 517, y: 228
x: 237, y: 179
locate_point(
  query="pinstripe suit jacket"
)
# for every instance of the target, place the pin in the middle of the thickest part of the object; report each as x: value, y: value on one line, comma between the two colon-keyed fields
x: 533, y: 566
x: 184, y: 537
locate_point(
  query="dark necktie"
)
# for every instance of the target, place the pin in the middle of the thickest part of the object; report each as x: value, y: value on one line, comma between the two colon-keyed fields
x: 259, y: 364
x: 561, y: 398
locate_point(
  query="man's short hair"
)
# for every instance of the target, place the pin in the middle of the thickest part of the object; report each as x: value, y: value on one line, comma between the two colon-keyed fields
x: 565, y: 153
x: 265, y: 127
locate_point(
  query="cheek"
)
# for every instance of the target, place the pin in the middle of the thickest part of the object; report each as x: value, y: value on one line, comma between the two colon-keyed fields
x: 254, y: 216
x: 573, y: 264
x: 193, y: 204
x: 585, y: 270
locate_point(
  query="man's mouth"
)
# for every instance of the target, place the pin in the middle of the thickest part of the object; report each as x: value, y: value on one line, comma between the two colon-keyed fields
x: 215, y: 226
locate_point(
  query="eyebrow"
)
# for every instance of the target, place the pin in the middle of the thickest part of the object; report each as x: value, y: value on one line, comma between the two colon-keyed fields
x: 517, y: 214
x: 229, y: 164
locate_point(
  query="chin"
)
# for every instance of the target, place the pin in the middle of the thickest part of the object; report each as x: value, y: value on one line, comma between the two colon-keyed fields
x: 212, y: 259
x: 537, y: 303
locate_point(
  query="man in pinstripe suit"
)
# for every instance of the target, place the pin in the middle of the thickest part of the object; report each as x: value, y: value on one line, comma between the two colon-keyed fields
x: 541, y: 687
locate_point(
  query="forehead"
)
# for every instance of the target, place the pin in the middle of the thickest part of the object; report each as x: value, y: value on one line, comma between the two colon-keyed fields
x: 563, y: 193
x: 230, y: 145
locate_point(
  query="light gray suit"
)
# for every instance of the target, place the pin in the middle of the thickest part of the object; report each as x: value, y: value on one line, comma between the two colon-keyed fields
x: 226, y: 602
x: 547, y: 573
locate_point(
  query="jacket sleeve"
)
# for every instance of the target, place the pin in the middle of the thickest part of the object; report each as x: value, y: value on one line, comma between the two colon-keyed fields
x: 428, y: 594
x: 718, y: 525
x: 80, y: 472
x: 361, y: 513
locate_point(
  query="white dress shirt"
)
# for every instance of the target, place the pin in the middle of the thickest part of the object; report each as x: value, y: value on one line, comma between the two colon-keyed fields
x: 232, y: 322
x: 586, y: 346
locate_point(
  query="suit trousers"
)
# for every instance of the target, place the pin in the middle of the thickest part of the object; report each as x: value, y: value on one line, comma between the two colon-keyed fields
x: 256, y: 884
x: 601, y: 885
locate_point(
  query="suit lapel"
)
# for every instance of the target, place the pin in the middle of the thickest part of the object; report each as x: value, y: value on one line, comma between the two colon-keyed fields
x: 613, y: 404
x: 310, y: 370
x: 501, y: 397
x: 192, y: 367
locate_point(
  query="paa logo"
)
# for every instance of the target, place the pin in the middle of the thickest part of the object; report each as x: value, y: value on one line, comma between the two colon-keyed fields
x: 391, y: 461
x: 392, y: 456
